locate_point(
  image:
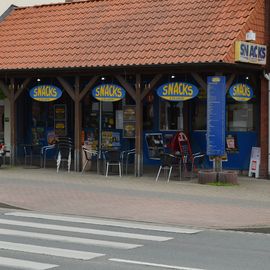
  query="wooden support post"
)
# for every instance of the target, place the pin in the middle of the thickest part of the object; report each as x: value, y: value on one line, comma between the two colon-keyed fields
x: 127, y: 86
x: 139, y: 129
x: 151, y: 85
x: 12, y: 122
x: 229, y: 82
x: 199, y: 80
x: 77, y: 126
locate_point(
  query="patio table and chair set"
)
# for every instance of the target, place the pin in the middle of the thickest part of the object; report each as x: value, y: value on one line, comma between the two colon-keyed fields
x: 180, y: 159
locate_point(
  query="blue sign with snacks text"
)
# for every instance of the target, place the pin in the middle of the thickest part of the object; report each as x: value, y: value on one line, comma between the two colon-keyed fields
x: 241, y: 92
x: 45, y: 93
x: 177, y: 91
x: 108, y: 92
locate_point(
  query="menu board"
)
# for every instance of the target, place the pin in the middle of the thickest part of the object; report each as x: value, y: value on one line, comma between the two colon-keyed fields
x: 216, y: 93
x: 129, y: 121
x: 60, y: 127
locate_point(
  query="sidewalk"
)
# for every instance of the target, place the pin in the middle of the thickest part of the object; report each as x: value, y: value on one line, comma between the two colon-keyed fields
x: 183, y: 203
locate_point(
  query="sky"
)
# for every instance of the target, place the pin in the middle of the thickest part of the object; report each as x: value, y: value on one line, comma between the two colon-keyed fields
x: 4, y: 4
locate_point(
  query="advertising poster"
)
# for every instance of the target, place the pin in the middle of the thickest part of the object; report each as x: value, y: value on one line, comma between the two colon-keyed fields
x: 231, y: 144
x: 129, y: 129
x: 129, y: 121
x: 110, y: 140
x: 60, y: 120
x: 155, y: 145
x: 129, y: 113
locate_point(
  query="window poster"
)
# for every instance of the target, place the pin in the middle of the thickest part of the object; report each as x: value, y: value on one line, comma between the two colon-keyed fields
x: 129, y: 113
x: 129, y: 121
x: 155, y: 145
x: 129, y: 129
x: 231, y: 144
x: 110, y: 140
x: 60, y: 120
x: 59, y: 112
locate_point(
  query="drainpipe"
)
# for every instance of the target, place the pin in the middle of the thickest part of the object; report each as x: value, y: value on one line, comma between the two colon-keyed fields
x: 267, y: 77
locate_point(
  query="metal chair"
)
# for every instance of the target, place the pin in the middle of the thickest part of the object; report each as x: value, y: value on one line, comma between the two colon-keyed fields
x: 32, y: 151
x: 64, y: 154
x: 125, y: 158
x: 44, y: 151
x: 168, y: 161
x: 88, y: 156
x: 113, y: 158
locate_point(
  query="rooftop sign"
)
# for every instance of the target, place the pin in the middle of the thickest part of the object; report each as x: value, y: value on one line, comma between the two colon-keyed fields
x: 108, y: 92
x: 177, y: 91
x: 250, y: 53
x: 45, y: 93
x: 241, y: 92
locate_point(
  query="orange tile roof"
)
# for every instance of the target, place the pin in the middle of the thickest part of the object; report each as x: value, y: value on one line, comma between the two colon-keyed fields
x: 126, y: 32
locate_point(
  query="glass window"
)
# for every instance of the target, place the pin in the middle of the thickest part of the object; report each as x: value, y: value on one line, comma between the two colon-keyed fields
x: 171, y: 115
x: 199, y: 115
x: 148, y: 116
x: 240, y: 116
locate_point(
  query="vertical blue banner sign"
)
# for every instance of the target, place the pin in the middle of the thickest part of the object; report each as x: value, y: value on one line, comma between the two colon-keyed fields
x: 216, y: 94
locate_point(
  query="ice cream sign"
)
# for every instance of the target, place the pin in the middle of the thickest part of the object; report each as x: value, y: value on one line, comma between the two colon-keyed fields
x: 45, y: 93
x: 241, y: 92
x: 177, y: 91
x: 108, y: 92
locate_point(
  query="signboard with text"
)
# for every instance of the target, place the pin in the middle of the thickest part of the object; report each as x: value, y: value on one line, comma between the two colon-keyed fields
x: 177, y: 91
x: 216, y: 93
x: 241, y: 92
x: 108, y: 92
x: 251, y: 53
x: 45, y: 93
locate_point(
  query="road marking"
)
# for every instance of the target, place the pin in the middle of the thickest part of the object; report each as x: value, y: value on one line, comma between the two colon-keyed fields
x: 97, y: 221
x: 22, y: 264
x: 154, y: 264
x: 58, y: 252
x: 84, y: 230
x: 63, y: 238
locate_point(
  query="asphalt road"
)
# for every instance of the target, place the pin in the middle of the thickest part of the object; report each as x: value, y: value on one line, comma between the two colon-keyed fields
x: 31, y: 240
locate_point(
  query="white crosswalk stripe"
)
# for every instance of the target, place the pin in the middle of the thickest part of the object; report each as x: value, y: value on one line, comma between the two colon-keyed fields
x: 98, y: 221
x: 59, y: 252
x: 68, y: 239
x: 84, y: 230
x: 24, y: 264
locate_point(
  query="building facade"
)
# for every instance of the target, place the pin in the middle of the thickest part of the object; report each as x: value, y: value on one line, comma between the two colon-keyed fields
x: 153, y: 51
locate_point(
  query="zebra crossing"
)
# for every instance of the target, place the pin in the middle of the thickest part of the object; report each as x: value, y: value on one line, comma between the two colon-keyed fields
x: 52, y: 236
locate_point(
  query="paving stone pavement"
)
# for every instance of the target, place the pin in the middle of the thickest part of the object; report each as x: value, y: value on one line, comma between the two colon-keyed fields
x: 177, y: 202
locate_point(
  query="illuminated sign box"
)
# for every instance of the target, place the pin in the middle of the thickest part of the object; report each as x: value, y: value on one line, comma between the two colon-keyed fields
x: 241, y: 92
x: 250, y: 53
x: 177, y: 91
x: 108, y: 92
x: 45, y: 93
